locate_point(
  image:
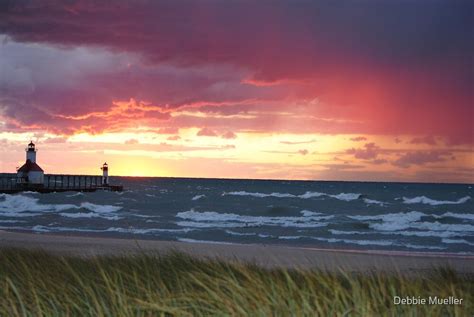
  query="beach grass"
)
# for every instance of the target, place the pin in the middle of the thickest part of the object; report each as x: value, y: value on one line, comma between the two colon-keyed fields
x: 35, y: 283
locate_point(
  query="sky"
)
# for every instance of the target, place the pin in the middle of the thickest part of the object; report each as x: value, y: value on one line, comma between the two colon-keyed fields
x: 274, y: 89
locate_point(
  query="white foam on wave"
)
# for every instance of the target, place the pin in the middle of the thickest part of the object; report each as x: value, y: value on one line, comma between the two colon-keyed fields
x: 234, y: 233
x: 197, y: 197
x: 290, y: 237
x: 99, y: 208
x: 211, y: 219
x: 392, y: 221
x: 11, y: 221
x: 307, y: 195
x: 457, y: 241
x: 76, y: 194
x: 456, y: 215
x: 309, y: 213
x: 439, y: 234
x: 403, y: 221
x: 24, y: 206
x: 88, y: 215
x: 20, y: 203
x: 203, y: 241
x: 436, y: 226
x: 433, y: 202
x: 40, y: 228
x: 374, y: 202
x: 363, y: 242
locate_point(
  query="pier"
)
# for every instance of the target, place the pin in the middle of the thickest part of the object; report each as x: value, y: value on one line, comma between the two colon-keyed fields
x: 31, y: 177
x: 10, y: 184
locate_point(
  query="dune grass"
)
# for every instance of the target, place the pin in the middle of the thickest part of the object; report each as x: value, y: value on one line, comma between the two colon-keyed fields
x: 35, y: 283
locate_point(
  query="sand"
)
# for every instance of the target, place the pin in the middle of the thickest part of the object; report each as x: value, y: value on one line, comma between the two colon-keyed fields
x: 264, y: 255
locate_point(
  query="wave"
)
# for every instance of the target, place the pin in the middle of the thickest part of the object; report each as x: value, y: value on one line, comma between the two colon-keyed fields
x: 457, y: 241
x: 374, y: 202
x: 364, y: 242
x: 307, y: 195
x: 234, y: 233
x: 20, y: 203
x: 433, y: 202
x: 309, y: 213
x: 24, y: 206
x: 439, y: 234
x: 99, y: 208
x: 88, y: 215
x: 211, y: 219
x: 76, y: 194
x: 203, y: 241
x: 41, y: 228
x: 392, y: 221
x: 402, y: 221
x: 197, y: 197
x: 456, y: 215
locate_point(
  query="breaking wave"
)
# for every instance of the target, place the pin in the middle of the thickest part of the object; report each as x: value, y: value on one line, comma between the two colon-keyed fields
x: 433, y: 202
x: 211, y: 219
x: 307, y: 195
x: 412, y: 219
x: 363, y: 242
x: 197, y: 197
x: 25, y: 206
x: 40, y: 228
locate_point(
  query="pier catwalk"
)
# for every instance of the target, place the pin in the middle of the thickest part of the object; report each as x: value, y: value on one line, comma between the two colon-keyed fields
x: 9, y: 184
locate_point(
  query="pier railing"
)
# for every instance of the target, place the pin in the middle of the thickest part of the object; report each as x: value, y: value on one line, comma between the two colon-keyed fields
x: 52, y: 182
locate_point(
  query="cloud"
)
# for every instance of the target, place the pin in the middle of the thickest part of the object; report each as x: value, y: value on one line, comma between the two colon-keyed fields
x: 55, y: 140
x: 94, y: 55
x: 359, y: 138
x: 173, y: 138
x: 429, y: 139
x: 168, y: 130
x: 303, y: 152
x: 206, y: 132
x: 229, y: 135
x: 370, y: 151
x: 422, y: 158
x: 297, y: 142
x: 132, y: 141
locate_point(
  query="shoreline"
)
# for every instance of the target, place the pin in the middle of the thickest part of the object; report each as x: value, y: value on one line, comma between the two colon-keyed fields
x: 268, y: 256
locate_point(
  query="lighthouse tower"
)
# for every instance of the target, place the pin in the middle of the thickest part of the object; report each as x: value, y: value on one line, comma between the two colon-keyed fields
x: 31, y: 152
x: 105, y: 174
x: 30, y: 172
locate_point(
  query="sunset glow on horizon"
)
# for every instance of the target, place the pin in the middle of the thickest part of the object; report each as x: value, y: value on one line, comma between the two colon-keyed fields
x: 311, y: 90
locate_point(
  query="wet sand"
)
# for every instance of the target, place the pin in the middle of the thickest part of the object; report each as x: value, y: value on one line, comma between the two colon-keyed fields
x: 264, y: 255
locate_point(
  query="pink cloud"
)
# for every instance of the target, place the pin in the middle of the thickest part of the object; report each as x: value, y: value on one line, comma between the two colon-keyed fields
x: 370, y: 151
x: 206, y: 132
x: 359, y: 138
x: 229, y: 135
x: 173, y: 138
x: 429, y: 139
x: 422, y: 157
x: 132, y: 141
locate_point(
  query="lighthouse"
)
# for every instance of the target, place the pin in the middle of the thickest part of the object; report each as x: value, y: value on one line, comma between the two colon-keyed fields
x: 30, y: 172
x: 105, y: 174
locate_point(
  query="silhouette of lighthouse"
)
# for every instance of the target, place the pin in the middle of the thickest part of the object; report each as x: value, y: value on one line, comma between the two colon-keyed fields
x: 105, y: 174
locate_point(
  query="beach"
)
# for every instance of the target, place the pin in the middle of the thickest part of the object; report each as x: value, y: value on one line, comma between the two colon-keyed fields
x: 263, y: 255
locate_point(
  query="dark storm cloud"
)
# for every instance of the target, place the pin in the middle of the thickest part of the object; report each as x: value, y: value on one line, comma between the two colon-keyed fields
x: 401, y: 66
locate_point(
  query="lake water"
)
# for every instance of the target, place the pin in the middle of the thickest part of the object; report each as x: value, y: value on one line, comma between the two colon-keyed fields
x: 349, y: 215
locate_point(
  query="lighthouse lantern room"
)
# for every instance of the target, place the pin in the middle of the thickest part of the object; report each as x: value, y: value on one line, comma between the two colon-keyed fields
x: 105, y: 174
x: 30, y: 172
